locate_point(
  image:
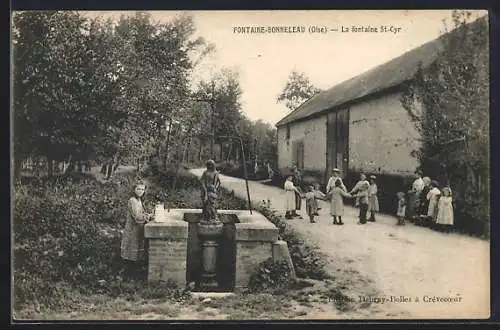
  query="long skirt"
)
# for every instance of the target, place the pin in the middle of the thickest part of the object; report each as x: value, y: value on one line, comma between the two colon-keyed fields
x: 133, y: 243
x: 289, y: 200
x: 412, y: 205
x: 298, y: 201
x: 373, y: 203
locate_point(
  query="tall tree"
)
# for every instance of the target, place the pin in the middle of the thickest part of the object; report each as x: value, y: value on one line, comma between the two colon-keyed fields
x: 59, y: 82
x: 297, y: 90
x: 159, y: 66
x: 222, y: 93
x: 81, y: 85
x: 454, y: 95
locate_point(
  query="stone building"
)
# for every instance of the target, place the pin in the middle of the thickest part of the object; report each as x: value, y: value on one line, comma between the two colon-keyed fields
x: 359, y: 124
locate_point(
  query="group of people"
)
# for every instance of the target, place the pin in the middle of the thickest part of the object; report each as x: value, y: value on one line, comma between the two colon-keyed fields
x: 428, y: 204
x: 424, y: 202
x: 365, y: 193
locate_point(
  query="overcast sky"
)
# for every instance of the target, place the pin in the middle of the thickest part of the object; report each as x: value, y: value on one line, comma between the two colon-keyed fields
x: 265, y: 60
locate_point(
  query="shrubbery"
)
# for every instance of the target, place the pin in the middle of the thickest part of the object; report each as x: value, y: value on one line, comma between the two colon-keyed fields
x: 307, y: 260
x: 236, y: 170
x: 59, y: 235
x: 270, y: 275
x: 67, y: 236
x: 187, y: 189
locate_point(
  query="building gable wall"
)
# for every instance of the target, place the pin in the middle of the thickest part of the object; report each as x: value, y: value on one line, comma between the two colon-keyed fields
x: 382, y: 137
x: 313, y: 133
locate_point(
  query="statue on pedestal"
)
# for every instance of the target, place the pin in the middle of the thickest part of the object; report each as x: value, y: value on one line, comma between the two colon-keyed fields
x: 210, y: 184
x: 209, y: 227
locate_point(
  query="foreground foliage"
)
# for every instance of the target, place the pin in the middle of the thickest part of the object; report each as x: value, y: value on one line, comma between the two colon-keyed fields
x: 67, y: 236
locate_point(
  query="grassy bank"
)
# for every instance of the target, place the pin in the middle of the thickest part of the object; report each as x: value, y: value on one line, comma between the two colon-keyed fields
x: 67, y: 236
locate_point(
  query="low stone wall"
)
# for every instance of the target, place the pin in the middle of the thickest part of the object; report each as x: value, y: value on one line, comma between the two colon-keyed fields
x: 167, y: 253
x: 172, y: 236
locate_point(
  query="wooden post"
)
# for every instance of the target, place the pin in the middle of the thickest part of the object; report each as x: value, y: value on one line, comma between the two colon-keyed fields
x: 165, y: 159
x: 246, y: 176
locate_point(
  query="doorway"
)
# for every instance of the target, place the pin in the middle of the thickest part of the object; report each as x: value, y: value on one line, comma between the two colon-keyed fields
x: 337, y: 142
x: 298, y: 153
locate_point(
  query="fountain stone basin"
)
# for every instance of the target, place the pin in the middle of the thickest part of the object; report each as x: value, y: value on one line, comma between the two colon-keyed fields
x: 174, y: 240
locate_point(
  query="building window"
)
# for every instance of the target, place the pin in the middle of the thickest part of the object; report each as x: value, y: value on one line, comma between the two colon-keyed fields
x: 288, y: 132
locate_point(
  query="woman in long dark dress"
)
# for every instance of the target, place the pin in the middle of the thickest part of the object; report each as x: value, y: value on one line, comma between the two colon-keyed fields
x: 297, y: 182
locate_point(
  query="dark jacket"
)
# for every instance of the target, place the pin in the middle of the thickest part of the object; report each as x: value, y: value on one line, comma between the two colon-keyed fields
x: 423, y: 205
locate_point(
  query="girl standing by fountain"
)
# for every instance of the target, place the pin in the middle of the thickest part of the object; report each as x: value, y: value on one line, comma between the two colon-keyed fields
x: 132, y: 245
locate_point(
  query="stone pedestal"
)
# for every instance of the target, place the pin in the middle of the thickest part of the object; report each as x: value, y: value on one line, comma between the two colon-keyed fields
x: 209, y: 233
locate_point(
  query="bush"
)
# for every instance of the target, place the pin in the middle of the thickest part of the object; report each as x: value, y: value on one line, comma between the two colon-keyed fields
x: 270, y: 275
x: 60, y: 236
x: 29, y: 288
x: 236, y: 170
x: 307, y: 260
x: 187, y: 191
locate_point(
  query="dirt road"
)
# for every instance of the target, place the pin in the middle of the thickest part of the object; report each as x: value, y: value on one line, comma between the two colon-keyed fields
x: 403, y: 263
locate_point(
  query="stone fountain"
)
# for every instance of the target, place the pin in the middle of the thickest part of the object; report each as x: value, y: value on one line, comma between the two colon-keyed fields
x: 216, y: 250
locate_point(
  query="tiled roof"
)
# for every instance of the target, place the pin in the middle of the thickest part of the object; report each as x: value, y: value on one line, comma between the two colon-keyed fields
x: 382, y: 77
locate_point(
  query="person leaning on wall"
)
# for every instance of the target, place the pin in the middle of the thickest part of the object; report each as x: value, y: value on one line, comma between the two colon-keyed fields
x: 133, y: 250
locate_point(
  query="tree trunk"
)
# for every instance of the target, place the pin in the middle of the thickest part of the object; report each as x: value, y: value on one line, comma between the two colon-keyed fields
x: 116, y: 162
x: 229, y: 152
x: 18, y: 162
x: 184, y: 152
x: 109, y: 169
x: 104, y: 168
x: 50, y: 167
x: 71, y: 166
x: 165, y: 159
x: 187, y: 150
x: 199, y: 152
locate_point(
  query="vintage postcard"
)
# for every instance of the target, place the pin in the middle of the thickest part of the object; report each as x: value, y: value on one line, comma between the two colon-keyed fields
x: 250, y: 165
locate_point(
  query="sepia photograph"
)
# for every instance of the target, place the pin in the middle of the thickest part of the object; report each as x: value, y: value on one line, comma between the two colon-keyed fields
x: 250, y: 165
